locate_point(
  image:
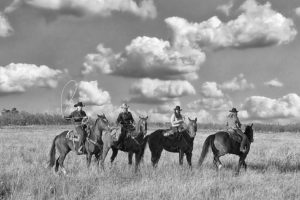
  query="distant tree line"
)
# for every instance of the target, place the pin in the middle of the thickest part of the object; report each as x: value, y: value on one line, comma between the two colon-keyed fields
x: 22, y: 118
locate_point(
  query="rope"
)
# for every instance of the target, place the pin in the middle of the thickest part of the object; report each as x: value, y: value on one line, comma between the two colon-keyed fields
x: 62, y: 92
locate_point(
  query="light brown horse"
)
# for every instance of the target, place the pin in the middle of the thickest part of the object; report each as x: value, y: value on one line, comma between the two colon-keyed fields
x: 131, y: 145
x: 93, y: 145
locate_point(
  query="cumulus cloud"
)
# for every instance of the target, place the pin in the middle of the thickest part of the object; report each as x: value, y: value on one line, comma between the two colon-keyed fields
x: 264, y: 108
x: 16, y: 78
x: 238, y: 83
x: 257, y: 25
x: 143, y: 8
x: 158, y: 91
x: 210, y: 89
x: 297, y: 11
x: 273, y: 83
x: 226, y: 8
x: 213, y: 104
x: 5, y: 28
x: 90, y: 94
x: 147, y: 57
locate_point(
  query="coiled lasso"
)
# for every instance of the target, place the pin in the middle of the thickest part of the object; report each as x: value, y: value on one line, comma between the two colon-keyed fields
x: 62, y: 92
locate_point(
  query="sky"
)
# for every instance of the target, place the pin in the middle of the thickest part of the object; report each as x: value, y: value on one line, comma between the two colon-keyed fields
x: 206, y: 56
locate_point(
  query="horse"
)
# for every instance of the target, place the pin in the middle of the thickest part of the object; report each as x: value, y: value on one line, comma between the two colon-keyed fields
x: 182, y: 144
x: 131, y: 145
x: 93, y: 145
x: 221, y: 143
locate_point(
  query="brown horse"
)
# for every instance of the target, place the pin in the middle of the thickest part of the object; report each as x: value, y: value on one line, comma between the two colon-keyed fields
x: 182, y: 144
x: 93, y: 145
x: 131, y: 145
x: 221, y: 143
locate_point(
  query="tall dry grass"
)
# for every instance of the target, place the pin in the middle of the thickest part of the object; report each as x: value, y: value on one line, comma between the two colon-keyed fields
x: 274, y: 164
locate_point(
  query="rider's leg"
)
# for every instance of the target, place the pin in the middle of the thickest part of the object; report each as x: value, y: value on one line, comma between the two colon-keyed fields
x: 244, y: 138
x: 122, y: 136
x: 81, y: 133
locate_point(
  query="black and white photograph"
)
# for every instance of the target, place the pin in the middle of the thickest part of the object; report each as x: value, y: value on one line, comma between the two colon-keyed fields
x: 149, y: 99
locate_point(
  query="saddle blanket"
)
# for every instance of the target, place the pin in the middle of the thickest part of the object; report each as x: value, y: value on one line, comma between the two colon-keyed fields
x: 72, y: 135
x: 116, y: 132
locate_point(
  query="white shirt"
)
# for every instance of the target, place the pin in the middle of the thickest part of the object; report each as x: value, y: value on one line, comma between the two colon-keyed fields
x: 176, y: 122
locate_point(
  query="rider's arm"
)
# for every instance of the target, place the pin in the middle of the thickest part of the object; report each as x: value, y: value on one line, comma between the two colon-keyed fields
x: 119, y: 119
x: 131, y: 118
x: 238, y: 123
x: 173, y: 121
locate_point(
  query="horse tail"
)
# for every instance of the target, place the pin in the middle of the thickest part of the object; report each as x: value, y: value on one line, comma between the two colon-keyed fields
x: 206, y: 144
x: 52, y: 153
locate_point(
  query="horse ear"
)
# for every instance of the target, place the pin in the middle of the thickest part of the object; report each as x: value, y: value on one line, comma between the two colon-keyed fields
x: 196, y: 119
x: 98, y: 115
x: 146, y: 117
x: 251, y: 125
x: 189, y: 119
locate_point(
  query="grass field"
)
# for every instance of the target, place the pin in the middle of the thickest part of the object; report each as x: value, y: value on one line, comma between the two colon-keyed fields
x: 273, y: 171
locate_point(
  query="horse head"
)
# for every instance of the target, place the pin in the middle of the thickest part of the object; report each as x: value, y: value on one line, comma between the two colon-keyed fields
x: 102, y: 123
x: 192, y: 127
x: 141, y: 127
x: 249, y: 132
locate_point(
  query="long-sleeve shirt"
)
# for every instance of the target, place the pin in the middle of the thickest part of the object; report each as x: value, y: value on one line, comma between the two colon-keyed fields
x: 176, y: 121
x: 77, y: 116
x: 125, y: 118
x: 233, y: 122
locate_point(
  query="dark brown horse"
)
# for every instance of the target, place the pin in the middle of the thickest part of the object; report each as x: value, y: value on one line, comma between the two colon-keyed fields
x: 182, y: 144
x: 132, y: 146
x: 221, y: 143
x: 93, y: 145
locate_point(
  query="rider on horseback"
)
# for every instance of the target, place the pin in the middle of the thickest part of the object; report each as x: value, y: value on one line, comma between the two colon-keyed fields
x: 233, y: 124
x: 177, y: 120
x: 127, y: 123
x: 79, y: 116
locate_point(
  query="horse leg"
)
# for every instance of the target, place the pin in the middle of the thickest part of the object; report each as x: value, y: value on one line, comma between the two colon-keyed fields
x: 56, y: 165
x: 217, y: 162
x: 104, y: 154
x: 88, y: 159
x: 180, y: 157
x: 138, y: 158
x: 189, y: 158
x: 130, y: 154
x: 113, y: 155
x: 241, y: 163
x: 245, y: 165
x: 61, y: 162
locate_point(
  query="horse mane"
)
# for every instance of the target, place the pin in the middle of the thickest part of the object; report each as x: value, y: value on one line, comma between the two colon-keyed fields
x: 248, y: 131
x: 137, y: 128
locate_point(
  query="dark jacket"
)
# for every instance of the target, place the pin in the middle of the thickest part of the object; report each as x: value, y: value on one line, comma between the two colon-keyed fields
x: 77, y: 115
x: 125, y: 118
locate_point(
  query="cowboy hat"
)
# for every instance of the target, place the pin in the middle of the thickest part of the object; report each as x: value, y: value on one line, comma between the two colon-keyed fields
x: 124, y: 105
x: 178, y: 108
x: 234, y: 110
x: 79, y: 104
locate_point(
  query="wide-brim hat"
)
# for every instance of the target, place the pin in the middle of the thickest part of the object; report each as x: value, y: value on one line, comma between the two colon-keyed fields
x: 124, y: 105
x: 79, y: 104
x: 178, y: 108
x: 234, y: 110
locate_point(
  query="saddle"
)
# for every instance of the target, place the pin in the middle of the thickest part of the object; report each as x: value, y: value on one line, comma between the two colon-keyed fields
x: 234, y: 135
x: 72, y: 135
x: 170, y: 131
